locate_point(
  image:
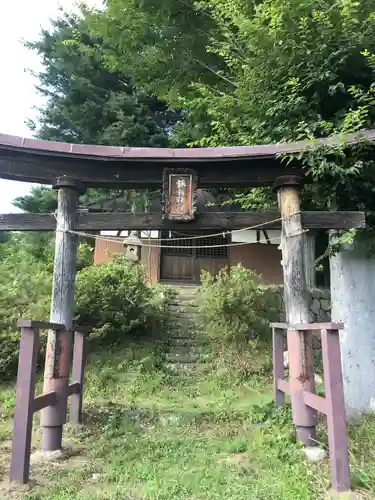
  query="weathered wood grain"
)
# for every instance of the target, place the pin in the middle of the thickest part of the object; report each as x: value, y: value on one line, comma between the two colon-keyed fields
x: 292, y: 245
x: 296, y: 299
x: 109, y: 173
x: 214, y: 220
x: 59, y: 343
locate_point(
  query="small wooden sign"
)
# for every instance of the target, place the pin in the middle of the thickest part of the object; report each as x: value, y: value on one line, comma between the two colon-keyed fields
x: 179, y: 194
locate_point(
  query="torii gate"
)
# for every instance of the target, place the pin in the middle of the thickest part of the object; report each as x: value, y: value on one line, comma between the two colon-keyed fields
x: 71, y: 168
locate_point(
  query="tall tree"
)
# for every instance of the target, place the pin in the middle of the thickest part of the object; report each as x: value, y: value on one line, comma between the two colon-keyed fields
x: 88, y: 103
x: 41, y: 199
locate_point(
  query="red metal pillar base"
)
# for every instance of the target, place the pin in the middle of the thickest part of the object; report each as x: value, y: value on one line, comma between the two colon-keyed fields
x: 52, y: 438
x: 306, y: 435
x: 56, y: 378
x: 79, y: 356
x: 301, y: 378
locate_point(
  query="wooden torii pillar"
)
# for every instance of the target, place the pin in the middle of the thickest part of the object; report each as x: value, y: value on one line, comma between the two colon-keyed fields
x: 296, y: 298
x: 59, y: 343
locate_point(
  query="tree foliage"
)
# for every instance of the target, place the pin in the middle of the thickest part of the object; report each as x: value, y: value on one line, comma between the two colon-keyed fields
x: 276, y: 66
x: 262, y: 72
x: 40, y: 199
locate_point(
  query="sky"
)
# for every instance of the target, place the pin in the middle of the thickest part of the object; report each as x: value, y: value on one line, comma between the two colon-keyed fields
x: 21, y: 20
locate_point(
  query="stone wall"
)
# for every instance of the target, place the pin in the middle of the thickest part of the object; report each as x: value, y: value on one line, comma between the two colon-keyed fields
x: 319, y: 307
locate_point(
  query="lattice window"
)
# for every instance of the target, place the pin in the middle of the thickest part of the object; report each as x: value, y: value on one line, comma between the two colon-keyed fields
x: 211, y: 248
x: 202, y: 247
x: 178, y: 246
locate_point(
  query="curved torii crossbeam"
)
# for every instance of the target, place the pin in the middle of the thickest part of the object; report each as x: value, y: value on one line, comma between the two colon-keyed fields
x: 40, y: 161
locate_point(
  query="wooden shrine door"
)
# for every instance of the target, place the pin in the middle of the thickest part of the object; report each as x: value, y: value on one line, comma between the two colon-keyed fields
x: 183, y: 260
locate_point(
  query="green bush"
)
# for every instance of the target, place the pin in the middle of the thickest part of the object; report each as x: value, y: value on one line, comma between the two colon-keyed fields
x: 114, y: 301
x: 234, y: 314
x: 234, y: 307
x: 25, y: 291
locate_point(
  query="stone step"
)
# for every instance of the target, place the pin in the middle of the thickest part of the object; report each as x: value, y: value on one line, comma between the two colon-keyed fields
x: 185, y: 341
x: 184, y: 334
x: 186, y: 301
x: 186, y: 319
x: 183, y: 369
x: 182, y: 337
x: 186, y: 295
x: 182, y: 321
x: 182, y: 358
x: 187, y: 329
x: 177, y: 313
x: 187, y: 292
x: 184, y: 344
x: 176, y: 309
x: 187, y: 288
x: 179, y: 320
x: 188, y: 305
x: 184, y: 351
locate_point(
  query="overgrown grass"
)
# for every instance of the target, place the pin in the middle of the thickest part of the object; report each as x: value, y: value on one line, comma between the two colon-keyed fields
x: 160, y: 436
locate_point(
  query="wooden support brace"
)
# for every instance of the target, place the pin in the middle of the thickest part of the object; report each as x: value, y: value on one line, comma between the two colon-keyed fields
x: 24, y: 408
x: 305, y: 402
x: 315, y: 402
x: 44, y: 400
x: 336, y: 416
x: 278, y: 364
x: 283, y: 386
x: 77, y: 377
x: 74, y: 389
x: 41, y: 325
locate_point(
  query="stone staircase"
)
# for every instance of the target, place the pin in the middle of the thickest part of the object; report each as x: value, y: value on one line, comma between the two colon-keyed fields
x: 184, y: 345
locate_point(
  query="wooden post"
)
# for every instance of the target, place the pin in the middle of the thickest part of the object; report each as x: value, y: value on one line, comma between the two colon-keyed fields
x: 296, y: 297
x: 59, y: 344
